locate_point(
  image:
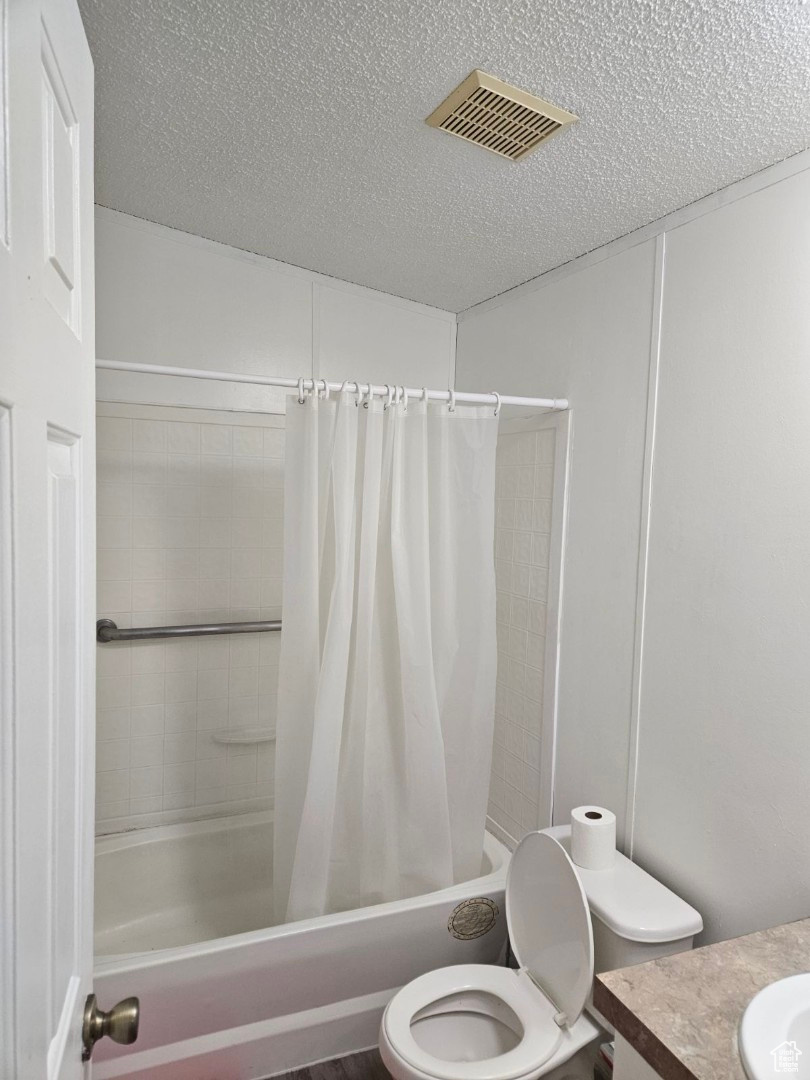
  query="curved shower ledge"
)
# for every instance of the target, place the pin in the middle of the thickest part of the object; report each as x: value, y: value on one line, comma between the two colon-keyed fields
x: 244, y: 736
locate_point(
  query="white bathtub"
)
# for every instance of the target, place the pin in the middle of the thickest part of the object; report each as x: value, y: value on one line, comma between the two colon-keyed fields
x: 179, y: 884
x: 182, y: 914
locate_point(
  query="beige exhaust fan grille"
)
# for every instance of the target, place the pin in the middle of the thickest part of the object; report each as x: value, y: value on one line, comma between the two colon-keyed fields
x: 498, y: 116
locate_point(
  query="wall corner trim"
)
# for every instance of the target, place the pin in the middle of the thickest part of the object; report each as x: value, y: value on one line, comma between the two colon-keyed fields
x: 644, y: 539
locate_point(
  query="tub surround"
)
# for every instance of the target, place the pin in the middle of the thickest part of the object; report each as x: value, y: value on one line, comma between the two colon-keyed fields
x: 524, y: 491
x: 681, y: 1013
x: 190, y: 525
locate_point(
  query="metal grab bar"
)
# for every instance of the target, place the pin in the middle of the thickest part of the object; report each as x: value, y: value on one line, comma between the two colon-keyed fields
x: 107, y: 630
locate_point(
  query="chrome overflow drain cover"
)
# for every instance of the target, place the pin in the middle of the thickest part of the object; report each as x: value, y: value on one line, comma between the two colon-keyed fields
x: 472, y: 918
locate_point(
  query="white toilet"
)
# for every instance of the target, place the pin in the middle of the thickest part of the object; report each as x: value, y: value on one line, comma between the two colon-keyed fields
x: 482, y: 1022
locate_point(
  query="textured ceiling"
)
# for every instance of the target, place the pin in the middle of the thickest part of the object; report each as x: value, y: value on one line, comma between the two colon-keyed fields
x: 294, y: 128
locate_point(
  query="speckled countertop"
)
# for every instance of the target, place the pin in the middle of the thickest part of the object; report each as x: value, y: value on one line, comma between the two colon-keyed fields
x: 681, y: 1013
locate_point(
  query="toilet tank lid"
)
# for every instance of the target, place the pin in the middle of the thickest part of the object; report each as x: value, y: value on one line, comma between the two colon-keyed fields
x: 631, y: 902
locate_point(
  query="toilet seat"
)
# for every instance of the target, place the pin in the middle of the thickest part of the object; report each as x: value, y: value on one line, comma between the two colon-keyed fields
x: 541, y: 1034
x: 552, y: 940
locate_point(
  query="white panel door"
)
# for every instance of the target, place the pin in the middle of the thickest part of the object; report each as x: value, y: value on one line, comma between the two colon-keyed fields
x: 47, y: 573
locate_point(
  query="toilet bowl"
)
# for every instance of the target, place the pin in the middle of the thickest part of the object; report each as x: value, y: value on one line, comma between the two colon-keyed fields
x: 478, y: 1027
x: 481, y: 1022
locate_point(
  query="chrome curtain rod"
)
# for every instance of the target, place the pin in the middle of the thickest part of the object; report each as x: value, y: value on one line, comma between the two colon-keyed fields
x: 491, y: 398
x: 107, y: 630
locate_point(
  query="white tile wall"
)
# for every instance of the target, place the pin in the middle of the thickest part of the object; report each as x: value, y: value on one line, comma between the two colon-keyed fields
x: 189, y: 530
x: 524, y: 489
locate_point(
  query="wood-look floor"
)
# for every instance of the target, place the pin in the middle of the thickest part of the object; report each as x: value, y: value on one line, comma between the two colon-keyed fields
x: 365, y: 1066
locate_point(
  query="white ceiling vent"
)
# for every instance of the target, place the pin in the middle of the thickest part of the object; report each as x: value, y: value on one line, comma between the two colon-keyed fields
x: 498, y: 116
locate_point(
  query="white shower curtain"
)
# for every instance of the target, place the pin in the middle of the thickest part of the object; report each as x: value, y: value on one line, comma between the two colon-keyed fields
x: 388, y: 655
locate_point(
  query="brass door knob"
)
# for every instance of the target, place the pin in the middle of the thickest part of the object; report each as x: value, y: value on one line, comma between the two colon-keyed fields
x: 120, y: 1023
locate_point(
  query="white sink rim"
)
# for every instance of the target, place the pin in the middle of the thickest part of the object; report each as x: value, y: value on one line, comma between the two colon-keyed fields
x: 767, y: 1021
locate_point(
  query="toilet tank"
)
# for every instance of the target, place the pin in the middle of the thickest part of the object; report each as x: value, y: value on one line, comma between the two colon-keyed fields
x: 635, y: 918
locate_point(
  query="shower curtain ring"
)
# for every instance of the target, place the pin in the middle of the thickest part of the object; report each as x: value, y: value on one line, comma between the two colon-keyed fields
x: 497, y: 397
x: 451, y: 403
x: 390, y: 396
x: 425, y: 394
x: 369, y: 395
x: 301, y: 398
x: 404, y: 399
x: 326, y: 391
x: 358, y: 397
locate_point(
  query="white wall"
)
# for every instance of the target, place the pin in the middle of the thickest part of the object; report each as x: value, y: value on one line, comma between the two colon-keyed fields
x: 725, y: 707
x: 685, y: 684
x: 165, y: 297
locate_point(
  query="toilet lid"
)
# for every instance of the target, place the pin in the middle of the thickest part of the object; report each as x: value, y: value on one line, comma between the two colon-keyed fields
x: 550, y: 923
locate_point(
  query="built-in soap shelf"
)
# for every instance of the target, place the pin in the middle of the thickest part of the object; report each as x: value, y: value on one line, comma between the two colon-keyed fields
x: 244, y: 736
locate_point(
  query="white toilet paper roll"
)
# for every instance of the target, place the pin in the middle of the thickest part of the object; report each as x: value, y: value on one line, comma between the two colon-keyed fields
x: 593, y: 837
